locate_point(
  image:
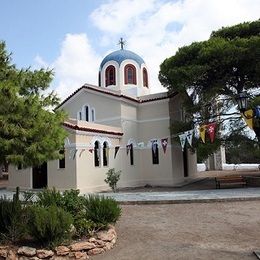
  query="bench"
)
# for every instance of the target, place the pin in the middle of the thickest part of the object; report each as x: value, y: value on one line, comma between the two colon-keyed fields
x: 230, y: 180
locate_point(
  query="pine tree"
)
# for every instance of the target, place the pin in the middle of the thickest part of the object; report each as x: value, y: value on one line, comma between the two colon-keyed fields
x: 30, y: 132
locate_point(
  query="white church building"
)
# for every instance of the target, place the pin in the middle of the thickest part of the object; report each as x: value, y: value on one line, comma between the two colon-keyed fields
x: 117, y: 124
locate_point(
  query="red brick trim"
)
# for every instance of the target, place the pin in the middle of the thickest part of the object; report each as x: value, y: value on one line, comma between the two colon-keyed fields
x: 92, y: 130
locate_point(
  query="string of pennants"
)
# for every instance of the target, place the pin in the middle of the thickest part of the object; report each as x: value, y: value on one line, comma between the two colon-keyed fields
x: 206, y: 129
x: 164, y: 143
x: 209, y: 129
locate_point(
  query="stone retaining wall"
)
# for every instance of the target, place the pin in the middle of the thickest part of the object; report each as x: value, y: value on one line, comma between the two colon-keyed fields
x: 98, y: 244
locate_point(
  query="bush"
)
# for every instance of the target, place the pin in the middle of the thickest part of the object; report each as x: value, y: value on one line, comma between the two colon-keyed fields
x: 49, y: 226
x: 102, y: 211
x: 49, y: 197
x: 112, y: 178
x: 73, y: 203
x: 12, y: 219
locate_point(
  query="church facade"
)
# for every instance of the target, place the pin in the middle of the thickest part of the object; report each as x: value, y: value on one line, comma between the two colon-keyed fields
x: 117, y: 124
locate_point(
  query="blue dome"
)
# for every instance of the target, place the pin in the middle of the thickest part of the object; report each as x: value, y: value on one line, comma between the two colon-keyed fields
x: 120, y: 56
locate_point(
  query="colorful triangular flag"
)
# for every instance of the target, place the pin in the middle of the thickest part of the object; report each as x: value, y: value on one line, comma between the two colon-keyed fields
x: 249, y: 117
x: 164, y: 142
x: 211, y: 130
x: 202, y: 130
x: 189, y: 135
x: 182, y: 140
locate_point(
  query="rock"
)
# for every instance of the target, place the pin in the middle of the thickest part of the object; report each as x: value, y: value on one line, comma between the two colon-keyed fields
x: 99, y: 243
x: 42, y: 253
x: 27, y: 251
x: 107, y: 235
x: 92, y: 240
x: 82, y: 246
x: 62, y: 250
x: 28, y: 258
x: 113, y: 241
x: 95, y: 251
x: 59, y: 258
x: 11, y: 255
x: 108, y: 246
x: 81, y: 255
x: 3, y: 252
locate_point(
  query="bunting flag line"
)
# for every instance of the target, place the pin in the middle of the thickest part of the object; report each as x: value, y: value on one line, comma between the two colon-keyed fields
x: 116, y: 151
x: 202, y: 131
x: 154, y: 146
x: 164, y: 142
x: 182, y: 140
x: 189, y: 135
x: 211, y: 130
x: 127, y: 148
x: 257, y: 111
x: 249, y: 113
x: 140, y: 145
x: 81, y: 152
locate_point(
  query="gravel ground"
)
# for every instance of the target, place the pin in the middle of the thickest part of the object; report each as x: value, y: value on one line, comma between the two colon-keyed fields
x: 228, y: 230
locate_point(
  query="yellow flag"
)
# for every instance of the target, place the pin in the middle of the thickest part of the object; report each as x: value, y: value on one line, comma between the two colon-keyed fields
x: 203, y: 132
x: 249, y: 122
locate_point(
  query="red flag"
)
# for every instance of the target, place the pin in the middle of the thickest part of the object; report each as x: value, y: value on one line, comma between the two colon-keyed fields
x: 164, y: 142
x: 212, y: 130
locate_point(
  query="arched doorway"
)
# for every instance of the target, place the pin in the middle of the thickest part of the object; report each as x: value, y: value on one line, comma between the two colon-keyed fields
x: 39, y: 176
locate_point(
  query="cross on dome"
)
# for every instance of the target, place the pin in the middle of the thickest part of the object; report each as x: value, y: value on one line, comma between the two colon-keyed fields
x: 121, y: 43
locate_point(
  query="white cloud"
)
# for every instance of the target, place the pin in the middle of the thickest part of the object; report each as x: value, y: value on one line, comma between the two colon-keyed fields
x: 155, y: 29
x: 77, y: 64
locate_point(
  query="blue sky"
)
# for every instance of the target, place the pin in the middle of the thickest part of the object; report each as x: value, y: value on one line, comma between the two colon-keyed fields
x: 72, y: 36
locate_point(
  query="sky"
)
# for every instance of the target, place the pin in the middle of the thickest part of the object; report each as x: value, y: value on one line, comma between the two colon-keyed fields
x: 73, y: 36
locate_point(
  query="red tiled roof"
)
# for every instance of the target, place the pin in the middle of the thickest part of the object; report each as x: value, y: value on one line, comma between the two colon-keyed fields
x: 87, y: 129
x: 101, y: 90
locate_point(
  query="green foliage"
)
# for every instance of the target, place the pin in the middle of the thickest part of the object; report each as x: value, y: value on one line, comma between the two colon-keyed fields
x: 49, y: 226
x: 211, y: 73
x: 25, y: 115
x: 49, y: 197
x: 84, y: 227
x: 12, y: 219
x: 241, y: 149
x: 102, y: 211
x: 112, y: 178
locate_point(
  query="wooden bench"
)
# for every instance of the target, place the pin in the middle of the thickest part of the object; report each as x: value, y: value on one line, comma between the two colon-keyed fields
x: 230, y: 180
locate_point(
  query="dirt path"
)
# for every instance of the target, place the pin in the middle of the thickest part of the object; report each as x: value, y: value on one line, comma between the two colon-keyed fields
x: 229, y: 230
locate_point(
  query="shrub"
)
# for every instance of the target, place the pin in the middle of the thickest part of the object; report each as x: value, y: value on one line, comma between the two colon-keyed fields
x: 102, y: 211
x: 112, y: 178
x: 49, y: 226
x: 12, y: 218
x: 49, y: 197
x: 73, y: 203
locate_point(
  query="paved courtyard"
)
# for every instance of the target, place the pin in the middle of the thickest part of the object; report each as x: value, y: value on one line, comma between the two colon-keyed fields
x: 226, y: 231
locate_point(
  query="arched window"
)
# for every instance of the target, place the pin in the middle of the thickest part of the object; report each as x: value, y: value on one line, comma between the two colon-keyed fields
x: 93, y: 115
x: 86, y: 113
x: 62, y: 160
x: 145, y: 78
x: 97, y: 154
x: 105, y: 154
x: 79, y: 115
x: 155, y: 153
x: 131, y: 148
x: 99, y: 79
x: 130, y: 74
x: 110, y: 75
